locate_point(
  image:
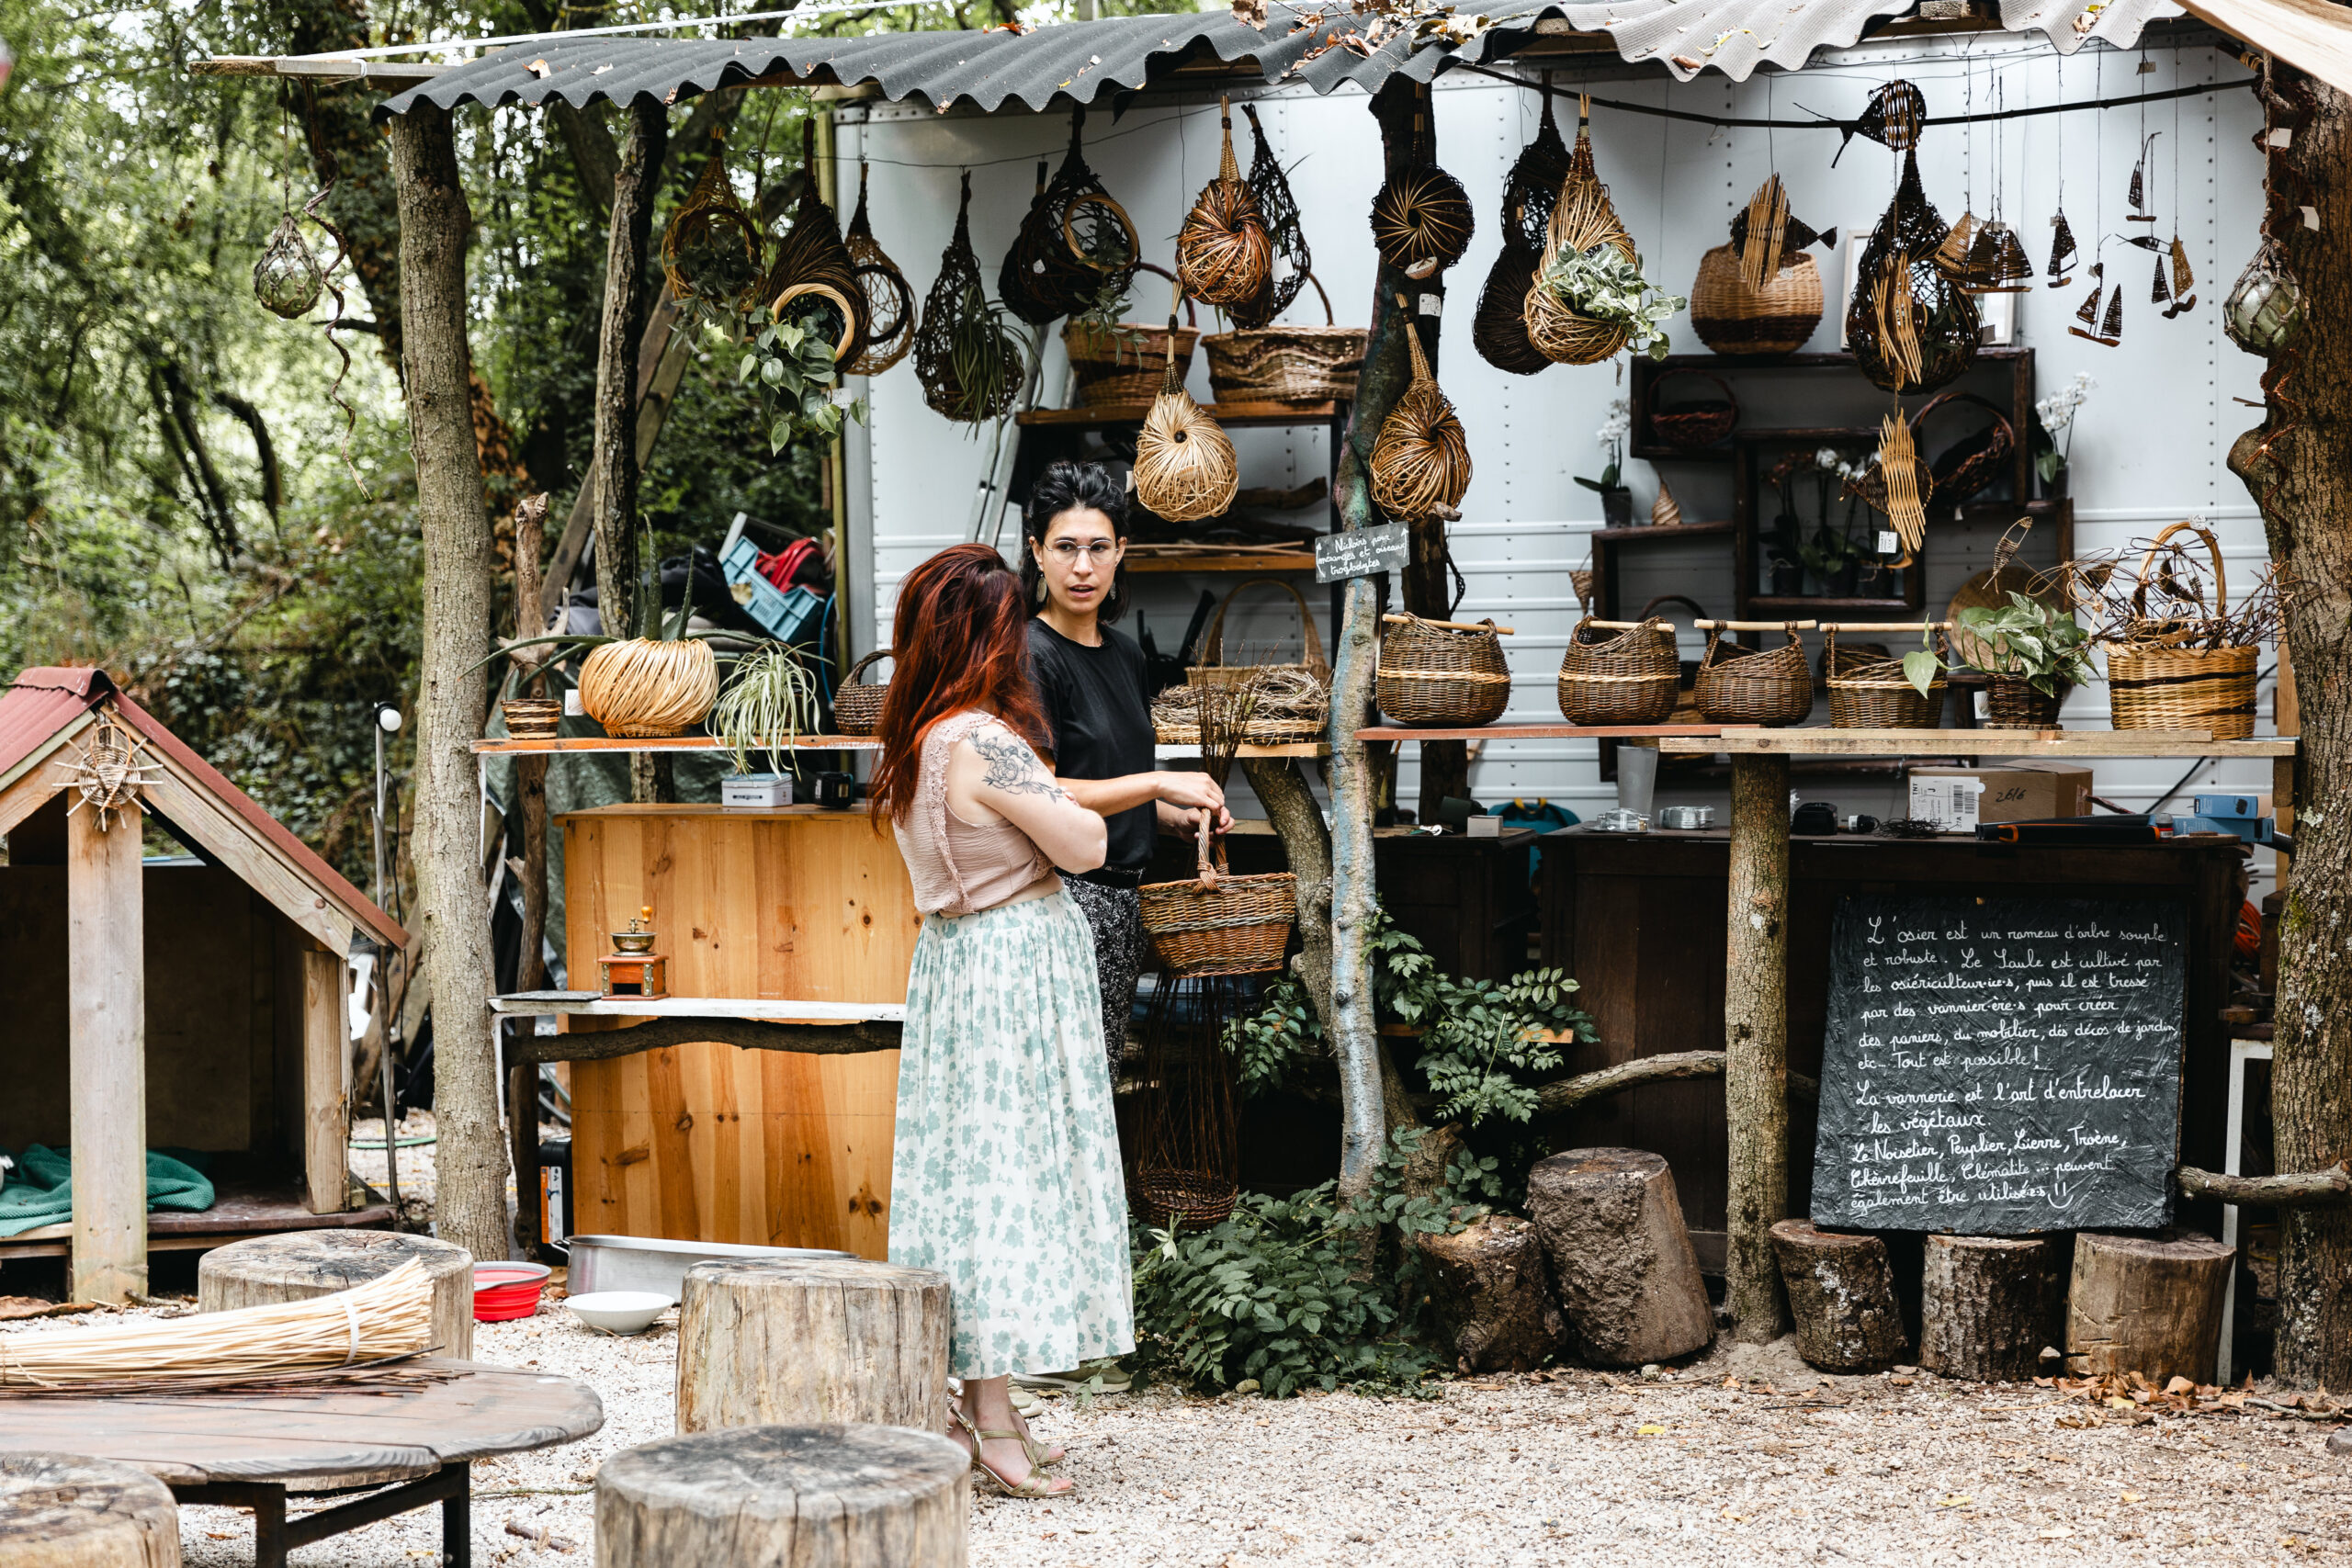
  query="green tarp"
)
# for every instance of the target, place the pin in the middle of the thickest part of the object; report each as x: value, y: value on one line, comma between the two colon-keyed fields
x: 40, y: 1190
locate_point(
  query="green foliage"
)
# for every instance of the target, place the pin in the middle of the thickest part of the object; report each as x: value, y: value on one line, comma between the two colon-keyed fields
x: 1263, y: 1044
x: 2040, y: 642
x: 1607, y: 285
x: 1922, y: 665
x: 1482, y: 1041
x: 772, y: 697
x: 789, y: 368
x: 1278, y: 1291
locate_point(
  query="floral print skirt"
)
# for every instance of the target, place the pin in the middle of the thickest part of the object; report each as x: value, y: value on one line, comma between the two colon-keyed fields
x: 1006, y: 1176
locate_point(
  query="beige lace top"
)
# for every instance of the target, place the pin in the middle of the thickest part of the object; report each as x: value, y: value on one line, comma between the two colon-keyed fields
x: 959, y: 867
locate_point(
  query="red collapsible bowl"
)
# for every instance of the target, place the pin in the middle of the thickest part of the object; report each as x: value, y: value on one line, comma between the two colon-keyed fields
x: 506, y: 1290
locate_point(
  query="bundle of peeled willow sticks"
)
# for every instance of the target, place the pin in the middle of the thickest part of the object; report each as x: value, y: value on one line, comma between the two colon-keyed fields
x: 2171, y: 604
x: 387, y: 1317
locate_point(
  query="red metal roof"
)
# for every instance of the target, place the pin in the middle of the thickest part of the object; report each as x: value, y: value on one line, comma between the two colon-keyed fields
x: 40, y: 703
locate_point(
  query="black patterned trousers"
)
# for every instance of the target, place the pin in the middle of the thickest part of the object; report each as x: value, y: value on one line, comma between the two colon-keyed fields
x: 1115, y: 917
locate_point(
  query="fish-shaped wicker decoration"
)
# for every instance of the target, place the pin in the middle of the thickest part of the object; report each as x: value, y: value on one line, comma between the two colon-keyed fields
x: 1796, y: 235
x: 1892, y: 119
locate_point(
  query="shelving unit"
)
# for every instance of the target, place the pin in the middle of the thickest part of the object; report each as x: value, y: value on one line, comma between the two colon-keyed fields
x: 609, y: 744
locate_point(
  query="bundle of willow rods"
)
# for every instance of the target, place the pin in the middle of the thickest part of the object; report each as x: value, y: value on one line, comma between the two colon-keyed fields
x: 2174, y: 611
x: 389, y: 1317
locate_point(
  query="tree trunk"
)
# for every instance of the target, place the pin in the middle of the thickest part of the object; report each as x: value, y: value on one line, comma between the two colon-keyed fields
x: 1629, y: 1280
x: 2296, y: 466
x: 266, y: 1270
x: 814, y: 1496
x: 2151, y: 1305
x: 1493, y: 1301
x: 1842, y: 1293
x: 60, y: 1511
x: 469, y: 1202
x: 1988, y: 1305
x: 1281, y: 789
x: 1756, y: 1044
x: 531, y: 771
x: 798, y: 1342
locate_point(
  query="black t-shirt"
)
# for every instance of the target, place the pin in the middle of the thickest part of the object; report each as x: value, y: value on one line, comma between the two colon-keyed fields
x: 1100, y: 723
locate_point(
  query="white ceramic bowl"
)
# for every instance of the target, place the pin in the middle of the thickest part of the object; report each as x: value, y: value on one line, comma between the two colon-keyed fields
x: 619, y: 1312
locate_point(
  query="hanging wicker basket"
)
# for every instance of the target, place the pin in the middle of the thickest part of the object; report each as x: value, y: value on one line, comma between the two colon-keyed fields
x: 1747, y: 685
x: 1733, y: 318
x: 813, y: 253
x: 1581, y: 219
x: 889, y: 298
x: 1293, y: 366
x: 961, y: 329
x: 858, y: 708
x: 1293, y: 262
x: 1441, y: 673
x: 711, y: 248
x: 1874, y: 694
x: 1223, y: 253
x: 1184, y: 469
x: 1421, y: 463
x: 1423, y: 220
x: 1053, y: 268
x: 1911, y: 327
x: 1618, y: 676
x: 640, y: 688
x: 1498, y: 329
x: 1213, y: 671
x: 1687, y: 427
x: 2155, y: 686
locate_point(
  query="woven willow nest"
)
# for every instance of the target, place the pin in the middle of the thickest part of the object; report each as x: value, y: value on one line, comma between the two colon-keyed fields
x: 1293, y: 262
x: 710, y: 250
x: 970, y: 361
x: 1420, y: 464
x: 813, y: 251
x: 1185, y: 469
x: 1581, y: 219
x: 1225, y: 254
x: 1047, y: 275
x: 642, y: 688
x: 1912, y: 328
x: 1423, y: 220
x: 889, y: 298
x: 1498, y: 330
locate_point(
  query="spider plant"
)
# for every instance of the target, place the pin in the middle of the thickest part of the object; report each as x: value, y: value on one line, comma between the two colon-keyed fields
x: 772, y: 697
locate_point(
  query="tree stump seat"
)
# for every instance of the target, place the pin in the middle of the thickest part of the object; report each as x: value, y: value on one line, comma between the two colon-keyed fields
x: 2146, y: 1304
x: 817, y: 1496
x: 809, y: 1342
x: 1988, y: 1305
x: 268, y: 1270
x: 1628, y: 1277
x: 65, y: 1511
x: 1493, y: 1301
x: 1841, y: 1294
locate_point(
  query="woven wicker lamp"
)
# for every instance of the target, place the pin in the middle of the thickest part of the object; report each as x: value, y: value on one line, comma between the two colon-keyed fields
x: 1225, y: 255
x: 1581, y: 219
x: 889, y: 298
x: 1185, y: 469
x: 1420, y: 464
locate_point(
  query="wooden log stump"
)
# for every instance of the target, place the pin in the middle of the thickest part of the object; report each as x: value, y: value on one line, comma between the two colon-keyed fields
x: 1628, y: 1281
x: 1988, y: 1306
x: 824, y: 1497
x: 64, y: 1511
x: 1493, y: 1300
x: 1842, y: 1293
x: 798, y: 1343
x: 2151, y: 1305
x: 268, y: 1270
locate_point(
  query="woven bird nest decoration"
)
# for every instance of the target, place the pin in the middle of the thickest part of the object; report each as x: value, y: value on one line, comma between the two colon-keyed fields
x: 108, y: 773
x: 710, y: 250
x: 813, y: 251
x: 889, y: 298
x: 1225, y: 254
x: 1185, y: 469
x: 1046, y: 275
x: 1498, y: 330
x: 1292, y: 262
x: 1420, y: 464
x: 1421, y: 221
x: 969, y: 360
x: 1582, y: 218
x: 1912, y: 328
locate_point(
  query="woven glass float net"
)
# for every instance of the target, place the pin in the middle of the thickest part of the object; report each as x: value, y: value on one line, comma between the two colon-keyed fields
x: 1581, y: 219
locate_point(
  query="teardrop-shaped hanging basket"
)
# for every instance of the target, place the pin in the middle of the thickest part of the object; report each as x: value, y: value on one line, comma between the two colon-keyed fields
x: 1223, y: 253
x: 1420, y: 464
x: 889, y: 298
x: 1581, y: 219
x: 1423, y: 220
x: 1498, y: 329
x: 1912, y: 329
x: 1046, y: 274
x: 711, y: 248
x: 1185, y: 469
x: 969, y: 360
x: 813, y: 251
x: 1292, y: 260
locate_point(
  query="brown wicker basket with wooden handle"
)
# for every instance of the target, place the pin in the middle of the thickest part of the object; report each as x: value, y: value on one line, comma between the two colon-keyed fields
x: 1750, y: 685
x: 1441, y: 673
x: 1213, y: 671
x: 1276, y: 364
x: 1616, y: 673
x: 1874, y: 694
x: 858, y: 709
x: 1213, y: 923
x: 2153, y: 686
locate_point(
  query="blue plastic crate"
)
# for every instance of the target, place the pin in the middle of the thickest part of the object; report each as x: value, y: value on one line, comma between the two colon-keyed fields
x: 786, y: 613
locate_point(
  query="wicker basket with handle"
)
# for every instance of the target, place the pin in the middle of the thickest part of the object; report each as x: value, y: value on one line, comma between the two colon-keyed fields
x: 1277, y: 364
x: 1213, y: 671
x: 1128, y: 363
x: 1751, y: 685
x: 1442, y: 672
x: 1213, y: 923
x: 1617, y: 673
x: 1874, y: 694
x: 1688, y: 426
x: 858, y: 709
x: 2152, y: 685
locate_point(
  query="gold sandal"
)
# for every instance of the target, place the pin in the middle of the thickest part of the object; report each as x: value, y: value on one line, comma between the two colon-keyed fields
x: 1037, y: 1487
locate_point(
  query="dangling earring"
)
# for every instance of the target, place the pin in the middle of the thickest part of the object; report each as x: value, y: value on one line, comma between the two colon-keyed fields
x: 1042, y: 595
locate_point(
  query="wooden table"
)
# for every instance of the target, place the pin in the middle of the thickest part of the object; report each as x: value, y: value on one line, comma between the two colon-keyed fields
x: 405, y: 1448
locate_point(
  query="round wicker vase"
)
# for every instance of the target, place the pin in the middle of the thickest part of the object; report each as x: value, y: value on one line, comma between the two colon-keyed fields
x: 1732, y: 317
x: 640, y: 688
x: 1441, y: 675
x: 1627, y: 677
x: 2183, y: 688
x: 2011, y: 703
x: 1748, y: 685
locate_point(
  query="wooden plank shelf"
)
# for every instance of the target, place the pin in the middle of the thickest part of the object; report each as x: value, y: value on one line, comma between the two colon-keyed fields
x: 1271, y: 560
x: 1233, y: 416
x: 511, y: 748
x: 1659, y: 533
x: 1177, y: 753
x: 592, y: 1004
x: 1829, y: 742
x: 1549, y: 733
x: 1802, y: 603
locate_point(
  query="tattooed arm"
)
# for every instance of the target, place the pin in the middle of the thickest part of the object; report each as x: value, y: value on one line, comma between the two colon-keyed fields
x: 994, y: 774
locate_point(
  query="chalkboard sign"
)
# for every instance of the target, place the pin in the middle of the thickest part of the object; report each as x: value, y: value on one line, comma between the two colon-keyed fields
x: 2000, y: 1065
x: 1361, y: 552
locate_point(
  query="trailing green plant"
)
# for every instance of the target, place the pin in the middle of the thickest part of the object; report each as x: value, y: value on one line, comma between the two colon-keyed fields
x: 769, y: 699
x: 788, y: 367
x: 986, y: 358
x: 1607, y: 285
x: 2041, y: 642
x: 1483, y: 1041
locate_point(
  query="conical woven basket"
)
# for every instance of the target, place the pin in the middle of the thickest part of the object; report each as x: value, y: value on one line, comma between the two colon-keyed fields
x: 1582, y: 219
x: 1421, y: 463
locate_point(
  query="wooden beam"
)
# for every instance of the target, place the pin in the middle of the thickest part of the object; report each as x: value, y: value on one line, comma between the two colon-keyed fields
x: 663, y: 354
x: 1830, y: 742
x: 2329, y: 1189
x: 326, y: 1087
x: 227, y: 838
x: 811, y: 1039
x: 106, y: 1044
x: 1755, y: 1044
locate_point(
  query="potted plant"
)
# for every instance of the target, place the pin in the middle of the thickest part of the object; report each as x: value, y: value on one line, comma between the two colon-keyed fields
x: 2054, y: 420
x: 769, y: 700
x: 2029, y: 653
x: 1604, y: 284
x: 1616, y: 501
x: 1833, y: 559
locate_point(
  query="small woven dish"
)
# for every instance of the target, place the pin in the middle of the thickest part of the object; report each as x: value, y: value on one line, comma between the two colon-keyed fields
x: 1687, y: 427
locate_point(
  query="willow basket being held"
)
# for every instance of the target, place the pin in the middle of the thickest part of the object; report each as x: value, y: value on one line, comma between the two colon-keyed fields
x: 1618, y: 677
x: 640, y: 688
x: 1240, y: 925
x: 1749, y: 685
x: 1432, y: 674
x: 1874, y: 694
x: 858, y: 708
x: 2152, y: 687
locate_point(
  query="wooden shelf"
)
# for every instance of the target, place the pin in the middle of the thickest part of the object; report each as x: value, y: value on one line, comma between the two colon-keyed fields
x: 1812, y: 602
x: 1829, y: 742
x: 594, y: 1004
x: 1546, y: 731
x: 1659, y: 533
x: 1177, y: 753
x: 1233, y: 416
x: 1272, y: 560
x: 664, y: 743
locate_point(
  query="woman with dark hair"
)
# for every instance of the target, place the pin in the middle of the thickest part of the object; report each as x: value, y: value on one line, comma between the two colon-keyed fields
x: 1005, y: 1173
x: 1098, y: 714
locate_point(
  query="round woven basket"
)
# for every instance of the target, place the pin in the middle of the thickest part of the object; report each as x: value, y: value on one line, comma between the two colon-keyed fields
x: 1193, y: 1198
x: 1618, y: 677
x: 1581, y: 219
x: 1127, y: 366
x: 1689, y: 426
x: 2151, y: 686
x: 1288, y: 365
x: 1213, y: 671
x: 1748, y: 685
x: 1225, y: 254
x: 1185, y: 469
x: 2011, y: 703
x: 1240, y: 925
x: 1423, y: 220
x: 1874, y: 694
x: 858, y: 709
x: 1732, y: 317
x: 1420, y: 462
x: 1432, y: 674
x: 532, y: 718
x: 641, y: 689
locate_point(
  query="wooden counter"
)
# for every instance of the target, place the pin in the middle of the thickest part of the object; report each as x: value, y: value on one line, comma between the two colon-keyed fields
x: 709, y: 1143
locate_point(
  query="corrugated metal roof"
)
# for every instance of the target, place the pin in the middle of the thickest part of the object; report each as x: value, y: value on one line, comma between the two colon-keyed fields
x: 38, y: 707
x: 1082, y: 61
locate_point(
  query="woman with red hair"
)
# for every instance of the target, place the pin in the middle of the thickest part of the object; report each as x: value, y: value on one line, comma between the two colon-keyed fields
x: 1005, y: 1174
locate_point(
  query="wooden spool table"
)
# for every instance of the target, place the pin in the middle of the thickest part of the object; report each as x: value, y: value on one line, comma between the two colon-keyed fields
x: 405, y: 1444
x: 268, y: 1270
x: 68, y: 1511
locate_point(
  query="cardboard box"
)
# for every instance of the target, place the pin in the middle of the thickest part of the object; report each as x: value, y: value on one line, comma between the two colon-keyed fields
x: 1959, y: 800
x: 2244, y: 805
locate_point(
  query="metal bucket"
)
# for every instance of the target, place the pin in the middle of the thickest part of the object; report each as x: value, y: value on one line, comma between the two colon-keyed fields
x: 651, y: 1263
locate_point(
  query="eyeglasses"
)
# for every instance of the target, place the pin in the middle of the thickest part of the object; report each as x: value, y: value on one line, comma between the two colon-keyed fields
x: 1069, y: 550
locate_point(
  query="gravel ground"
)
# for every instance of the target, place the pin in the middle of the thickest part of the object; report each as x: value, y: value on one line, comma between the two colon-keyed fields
x: 1745, y: 1455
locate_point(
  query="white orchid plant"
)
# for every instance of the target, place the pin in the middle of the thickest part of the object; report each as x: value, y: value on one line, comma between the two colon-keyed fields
x: 1612, y: 437
x: 2053, y: 418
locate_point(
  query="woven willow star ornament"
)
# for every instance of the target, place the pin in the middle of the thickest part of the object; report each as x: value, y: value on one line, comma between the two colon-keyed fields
x: 108, y: 771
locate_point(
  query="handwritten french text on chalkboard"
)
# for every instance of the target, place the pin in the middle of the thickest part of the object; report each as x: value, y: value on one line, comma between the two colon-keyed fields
x: 1361, y: 552
x: 1999, y: 1067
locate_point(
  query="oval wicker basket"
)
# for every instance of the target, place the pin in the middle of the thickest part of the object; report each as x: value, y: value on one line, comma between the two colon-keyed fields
x: 641, y: 689
x: 1733, y: 318
x: 1618, y: 677
x: 2011, y: 703
x: 1288, y: 365
x: 1437, y: 674
x: 1240, y: 925
x: 1749, y: 685
x: 858, y: 709
x: 1874, y: 694
x: 1213, y: 671
x: 2151, y: 686
x: 1691, y: 426
x: 532, y: 718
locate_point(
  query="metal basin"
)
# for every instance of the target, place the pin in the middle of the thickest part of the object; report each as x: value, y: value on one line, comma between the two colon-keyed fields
x: 651, y: 1263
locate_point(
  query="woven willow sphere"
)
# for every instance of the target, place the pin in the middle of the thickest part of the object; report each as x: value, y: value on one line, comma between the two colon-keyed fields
x: 1420, y: 464
x: 642, y: 688
x: 1185, y: 469
x: 1421, y: 220
x: 1225, y: 254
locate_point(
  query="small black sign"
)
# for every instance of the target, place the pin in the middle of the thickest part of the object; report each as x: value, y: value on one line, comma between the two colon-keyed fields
x: 1361, y: 552
x: 2001, y: 1066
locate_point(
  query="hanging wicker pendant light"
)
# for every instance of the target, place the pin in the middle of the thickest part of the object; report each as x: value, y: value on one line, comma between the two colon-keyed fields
x: 1420, y: 464
x: 1225, y: 254
x: 1046, y: 274
x: 1185, y: 469
x: 1582, y: 218
x: 889, y: 298
x: 1498, y: 330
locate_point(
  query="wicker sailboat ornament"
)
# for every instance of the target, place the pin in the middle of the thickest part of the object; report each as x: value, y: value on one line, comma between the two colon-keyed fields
x: 2063, y: 252
x: 2184, y: 282
x: 2138, y: 194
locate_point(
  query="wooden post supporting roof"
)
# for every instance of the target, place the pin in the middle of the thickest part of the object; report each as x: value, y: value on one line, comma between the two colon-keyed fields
x: 106, y: 1036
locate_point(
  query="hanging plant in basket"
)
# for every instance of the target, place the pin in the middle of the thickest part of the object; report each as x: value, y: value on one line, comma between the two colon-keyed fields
x: 711, y: 248
x: 1225, y: 254
x: 1912, y: 328
x: 1075, y: 244
x: 1423, y: 220
x: 1421, y: 463
x: 1185, y: 469
x: 812, y: 252
x: 1498, y: 330
x: 889, y: 298
x: 967, y: 354
x: 1291, y: 261
x: 1589, y: 298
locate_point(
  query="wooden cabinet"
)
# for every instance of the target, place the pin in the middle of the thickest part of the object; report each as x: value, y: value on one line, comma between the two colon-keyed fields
x: 708, y: 1142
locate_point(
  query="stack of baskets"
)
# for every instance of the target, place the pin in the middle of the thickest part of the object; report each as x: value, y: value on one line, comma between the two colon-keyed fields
x: 1868, y: 690
x: 1442, y: 672
x: 858, y: 709
x: 1749, y: 685
x: 1616, y: 672
x: 2154, y: 684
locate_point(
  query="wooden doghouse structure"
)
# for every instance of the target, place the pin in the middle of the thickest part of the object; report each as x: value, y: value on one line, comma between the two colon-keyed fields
x: 194, y: 1007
